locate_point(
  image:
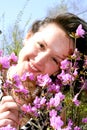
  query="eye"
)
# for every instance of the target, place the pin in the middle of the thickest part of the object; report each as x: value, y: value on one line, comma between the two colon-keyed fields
x: 41, y: 45
x: 55, y: 60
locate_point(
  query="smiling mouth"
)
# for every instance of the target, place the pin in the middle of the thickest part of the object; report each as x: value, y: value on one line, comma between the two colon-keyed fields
x: 33, y: 68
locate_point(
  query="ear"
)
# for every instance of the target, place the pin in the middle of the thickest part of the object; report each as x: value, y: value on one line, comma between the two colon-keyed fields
x: 29, y: 34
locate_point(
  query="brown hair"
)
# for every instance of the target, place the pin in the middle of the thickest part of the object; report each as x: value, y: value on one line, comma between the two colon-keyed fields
x: 69, y: 22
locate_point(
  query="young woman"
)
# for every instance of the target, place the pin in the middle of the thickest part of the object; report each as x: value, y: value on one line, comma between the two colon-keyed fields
x: 47, y: 43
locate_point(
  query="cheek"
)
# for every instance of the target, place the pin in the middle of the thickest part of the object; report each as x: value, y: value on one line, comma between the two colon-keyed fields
x: 21, y: 55
x: 25, y: 52
x: 51, y: 68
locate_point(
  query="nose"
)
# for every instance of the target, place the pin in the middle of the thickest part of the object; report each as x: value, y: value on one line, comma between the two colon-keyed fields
x: 41, y: 60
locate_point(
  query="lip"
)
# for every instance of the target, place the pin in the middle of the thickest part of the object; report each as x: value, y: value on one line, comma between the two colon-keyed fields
x: 33, y: 68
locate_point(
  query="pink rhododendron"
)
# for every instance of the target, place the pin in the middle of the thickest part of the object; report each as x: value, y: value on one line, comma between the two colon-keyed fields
x: 4, y: 62
x: 84, y: 120
x: 65, y: 64
x: 75, y: 100
x: 77, y: 128
x: 80, y: 32
x: 53, y: 113
x: 43, y: 80
x: 54, y: 88
x: 66, y: 78
x: 55, y: 98
x: 28, y: 75
x: 13, y: 58
x: 8, y: 127
x: 56, y: 122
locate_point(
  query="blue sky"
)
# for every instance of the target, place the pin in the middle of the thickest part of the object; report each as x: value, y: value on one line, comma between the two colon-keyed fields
x: 35, y: 9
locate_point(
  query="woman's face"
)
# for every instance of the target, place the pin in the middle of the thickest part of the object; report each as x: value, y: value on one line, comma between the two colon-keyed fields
x: 44, y: 50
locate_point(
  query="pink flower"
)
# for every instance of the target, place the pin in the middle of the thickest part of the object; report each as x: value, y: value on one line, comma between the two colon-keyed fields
x: 80, y: 32
x: 66, y: 78
x: 77, y: 128
x: 69, y: 127
x: 84, y: 120
x: 75, y: 72
x: 26, y: 108
x: 13, y: 57
x: 43, y: 80
x: 53, y: 88
x: 8, y: 127
x: 37, y: 102
x: 21, y: 89
x: 56, y: 122
x: 29, y: 109
x: 65, y: 64
x: 53, y: 113
x: 16, y: 79
x: 4, y: 62
x: 8, y: 84
x: 75, y: 100
x: 27, y: 75
x: 42, y: 101
x: 55, y: 101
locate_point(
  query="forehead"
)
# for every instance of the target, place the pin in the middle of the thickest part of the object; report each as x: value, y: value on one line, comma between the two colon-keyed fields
x: 52, y: 31
x: 56, y: 38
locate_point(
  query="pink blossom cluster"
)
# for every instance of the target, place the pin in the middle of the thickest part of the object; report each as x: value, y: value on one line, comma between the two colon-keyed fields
x: 56, y: 96
x: 8, y: 127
